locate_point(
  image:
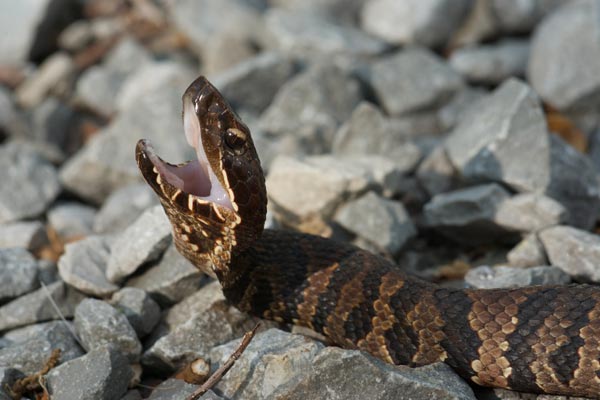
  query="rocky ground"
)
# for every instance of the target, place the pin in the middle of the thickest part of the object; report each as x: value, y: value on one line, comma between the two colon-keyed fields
x: 459, y: 138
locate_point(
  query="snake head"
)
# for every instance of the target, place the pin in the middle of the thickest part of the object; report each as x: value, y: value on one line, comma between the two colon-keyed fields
x: 216, y: 203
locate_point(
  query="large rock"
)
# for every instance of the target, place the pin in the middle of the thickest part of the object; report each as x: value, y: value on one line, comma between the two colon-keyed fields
x: 412, y: 80
x: 72, y: 220
x: 426, y: 22
x: 313, y: 103
x: 381, y: 222
x: 141, y: 311
x: 281, y: 365
x: 29, y: 182
x: 192, y: 327
x: 314, y: 187
x: 169, y: 280
x: 18, y: 273
x: 143, y: 241
x: 123, y: 207
x: 212, y: 26
x: 565, y: 56
x: 29, y: 235
x: 521, y: 16
x: 468, y: 215
x: 99, y: 85
x: 575, y: 251
x: 308, y: 35
x: 504, y: 138
x: 99, y: 324
x: 33, y: 345
x: 384, y: 137
x: 492, y: 64
x: 106, y: 162
x: 37, y: 307
x: 83, y: 266
x: 103, y: 373
x: 252, y: 84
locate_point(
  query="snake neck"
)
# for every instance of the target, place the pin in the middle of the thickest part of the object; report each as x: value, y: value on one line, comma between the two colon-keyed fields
x: 347, y: 294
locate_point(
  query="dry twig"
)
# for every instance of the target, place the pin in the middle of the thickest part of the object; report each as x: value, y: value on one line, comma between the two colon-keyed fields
x: 222, y: 370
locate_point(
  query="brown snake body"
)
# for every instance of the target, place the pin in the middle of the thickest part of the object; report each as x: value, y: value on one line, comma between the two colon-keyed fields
x: 543, y: 339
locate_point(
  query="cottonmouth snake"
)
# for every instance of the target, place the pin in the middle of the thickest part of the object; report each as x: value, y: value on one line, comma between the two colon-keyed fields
x: 543, y: 339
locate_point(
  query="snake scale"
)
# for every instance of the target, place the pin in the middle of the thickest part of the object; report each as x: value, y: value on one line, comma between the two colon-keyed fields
x: 541, y: 339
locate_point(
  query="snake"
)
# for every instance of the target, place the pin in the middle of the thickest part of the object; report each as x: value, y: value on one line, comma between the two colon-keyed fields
x: 537, y: 339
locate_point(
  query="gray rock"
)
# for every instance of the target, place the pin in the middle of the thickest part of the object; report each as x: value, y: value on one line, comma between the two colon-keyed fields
x: 123, y: 207
x: 282, y: 365
x: 312, y: 104
x: 103, y: 373
x: 429, y: 23
x: 143, y: 241
x: 449, y: 115
x: 310, y: 35
x: 529, y: 252
x: 382, y: 222
x: 492, y: 64
x: 530, y: 212
x: 485, y: 277
x: 21, y: 20
x: 83, y: 266
x: 29, y: 182
x: 314, y: 187
x: 436, y: 173
x: 55, y: 71
x: 175, y: 389
x: 141, y: 311
x: 28, y: 235
x: 573, y: 250
x: 53, y: 125
x: 36, y: 307
x: 71, y: 220
x: 18, y: 273
x: 574, y: 183
x: 203, y: 24
x: 192, y: 327
x: 413, y: 79
x: 521, y: 16
x: 170, y: 279
x: 149, y: 78
x: 30, y: 353
x: 488, y: 141
x: 252, y: 84
x: 383, y: 139
x: 98, y: 324
x: 99, y: 86
x: 467, y: 215
x: 504, y: 138
x: 388, y: 175
x: 106, y: 162
x: 565, y: 56
x: 272, y: 359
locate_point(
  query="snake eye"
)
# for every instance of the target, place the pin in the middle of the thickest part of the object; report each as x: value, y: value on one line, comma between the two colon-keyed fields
x: 235, y: 139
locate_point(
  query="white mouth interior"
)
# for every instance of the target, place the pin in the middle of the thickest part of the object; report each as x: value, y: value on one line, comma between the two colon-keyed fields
x: 196, y: 177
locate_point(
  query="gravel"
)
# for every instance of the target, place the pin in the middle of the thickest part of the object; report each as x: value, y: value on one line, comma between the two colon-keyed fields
x: 438, y: 134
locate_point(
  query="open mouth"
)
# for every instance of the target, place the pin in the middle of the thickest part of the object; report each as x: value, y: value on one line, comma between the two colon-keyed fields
x: 195, y: 177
